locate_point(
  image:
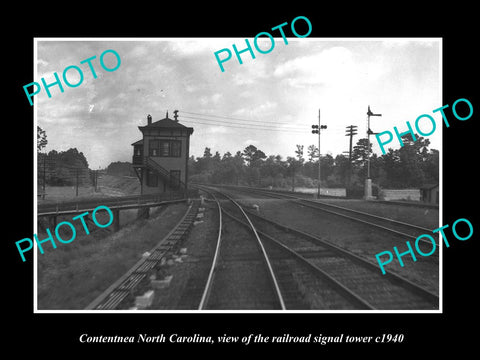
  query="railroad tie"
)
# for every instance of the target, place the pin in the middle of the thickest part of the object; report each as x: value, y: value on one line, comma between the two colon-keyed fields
x: 114, y: 300
x: 127, y: 286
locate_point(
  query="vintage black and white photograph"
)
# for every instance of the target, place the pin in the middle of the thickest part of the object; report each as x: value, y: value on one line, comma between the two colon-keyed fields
x: 269, y: 174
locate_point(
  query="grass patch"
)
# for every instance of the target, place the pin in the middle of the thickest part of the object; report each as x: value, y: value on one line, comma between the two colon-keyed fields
x: 73, y: 275
x: 425, y: 217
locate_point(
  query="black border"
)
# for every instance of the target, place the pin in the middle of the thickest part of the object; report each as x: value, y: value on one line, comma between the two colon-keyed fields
x: 428, y: 332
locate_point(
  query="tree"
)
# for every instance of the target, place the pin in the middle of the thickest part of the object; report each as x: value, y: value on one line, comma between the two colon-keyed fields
x: 293, y: 165
x: 326, y: 166
x: 391, y: 166
x: 272, y: 171
x: 411, y: 160
x: 299, y: 153
x: 227, y: 155
x: 360, y: 152
x: 65, y: 167
x: 239, y: 166
x: 341, y: 171
x: 224, y: 173
x: 312, y: 153
x: 253, y: 156
x: 207, y: 153
x: 204, y: 164
x: 430, y: 166
x: 41, y: 139
x: 411, y: 165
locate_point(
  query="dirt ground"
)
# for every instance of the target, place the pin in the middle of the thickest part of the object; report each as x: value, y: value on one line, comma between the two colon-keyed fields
x: 358, y: 238
x: 190, y: 274
x: 74, y: 274
x: 108, y: 185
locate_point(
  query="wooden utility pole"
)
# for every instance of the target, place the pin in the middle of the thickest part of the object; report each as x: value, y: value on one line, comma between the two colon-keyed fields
x: 44, y: 175
x: 76, y: 176
x: 351, y: 130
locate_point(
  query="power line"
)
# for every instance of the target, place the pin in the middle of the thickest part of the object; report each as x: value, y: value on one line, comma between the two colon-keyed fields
x: 251, y: 127
x: 246, y: 124
x: 243, y: 125
x: 234, y: 118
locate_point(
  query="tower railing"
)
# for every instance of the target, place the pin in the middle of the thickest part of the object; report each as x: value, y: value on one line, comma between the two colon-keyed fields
x: 153, y: 165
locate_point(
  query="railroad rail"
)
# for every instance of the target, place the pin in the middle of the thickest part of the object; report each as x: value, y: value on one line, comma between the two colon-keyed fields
x: 115, y: 207
x: 245, y: 256
x: 352, y: 276
x: 208, y: 286
x: 306, y: 195
x: 84, y: 204
x: 113, y: 296
x: 405, y: 230
x: 408, y: 203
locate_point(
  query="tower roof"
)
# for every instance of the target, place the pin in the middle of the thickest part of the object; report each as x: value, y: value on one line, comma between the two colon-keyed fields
x: 166, y: 123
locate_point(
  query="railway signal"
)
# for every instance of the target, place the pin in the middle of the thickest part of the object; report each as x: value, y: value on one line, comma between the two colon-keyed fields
x: 368, y: 181
x: 351, y: 130
x: 316, y: 130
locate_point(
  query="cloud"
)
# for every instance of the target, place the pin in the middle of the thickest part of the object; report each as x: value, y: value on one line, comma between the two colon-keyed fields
x: 256, y: 111
x: 242, y: 80
x: 289, y: 84
x: 266, y: 107
x: 216, y: 98
x: 42, y: 62
x: 327, y: 67
x: 213, y: 99
x: 186, y: 47
x: 250, y: 142
x: 401, y: 43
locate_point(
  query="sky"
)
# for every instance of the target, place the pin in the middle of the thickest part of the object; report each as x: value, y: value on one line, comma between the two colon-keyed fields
x: 270, y: 101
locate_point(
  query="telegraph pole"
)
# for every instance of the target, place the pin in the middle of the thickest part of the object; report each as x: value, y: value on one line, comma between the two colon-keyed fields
x: 368, y: 181
x: 316, y: 130
x: 44, y: 174
x: 76, y: 176
x: 95, y: 179
x: 351, y: 130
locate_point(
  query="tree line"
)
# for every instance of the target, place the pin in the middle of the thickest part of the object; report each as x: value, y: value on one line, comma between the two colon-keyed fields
x: 410, y: 166
x: 61, y: 168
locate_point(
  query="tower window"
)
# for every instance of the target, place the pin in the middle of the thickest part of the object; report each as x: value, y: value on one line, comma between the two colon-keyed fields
x: 165, y: 148
x: 154, y: 146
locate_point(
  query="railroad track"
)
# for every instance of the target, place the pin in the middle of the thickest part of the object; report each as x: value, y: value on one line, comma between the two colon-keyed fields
x: 330, y: 277
x: 118, y: 294
x: 402, y: 229
x: 51, y: 208
x: 241, y: 276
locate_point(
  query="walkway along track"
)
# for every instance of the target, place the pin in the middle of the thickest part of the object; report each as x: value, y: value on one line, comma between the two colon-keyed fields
x: 405, y: 230
x: 124, y: 287
x: 50, y: 208
x: 355, y: 278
